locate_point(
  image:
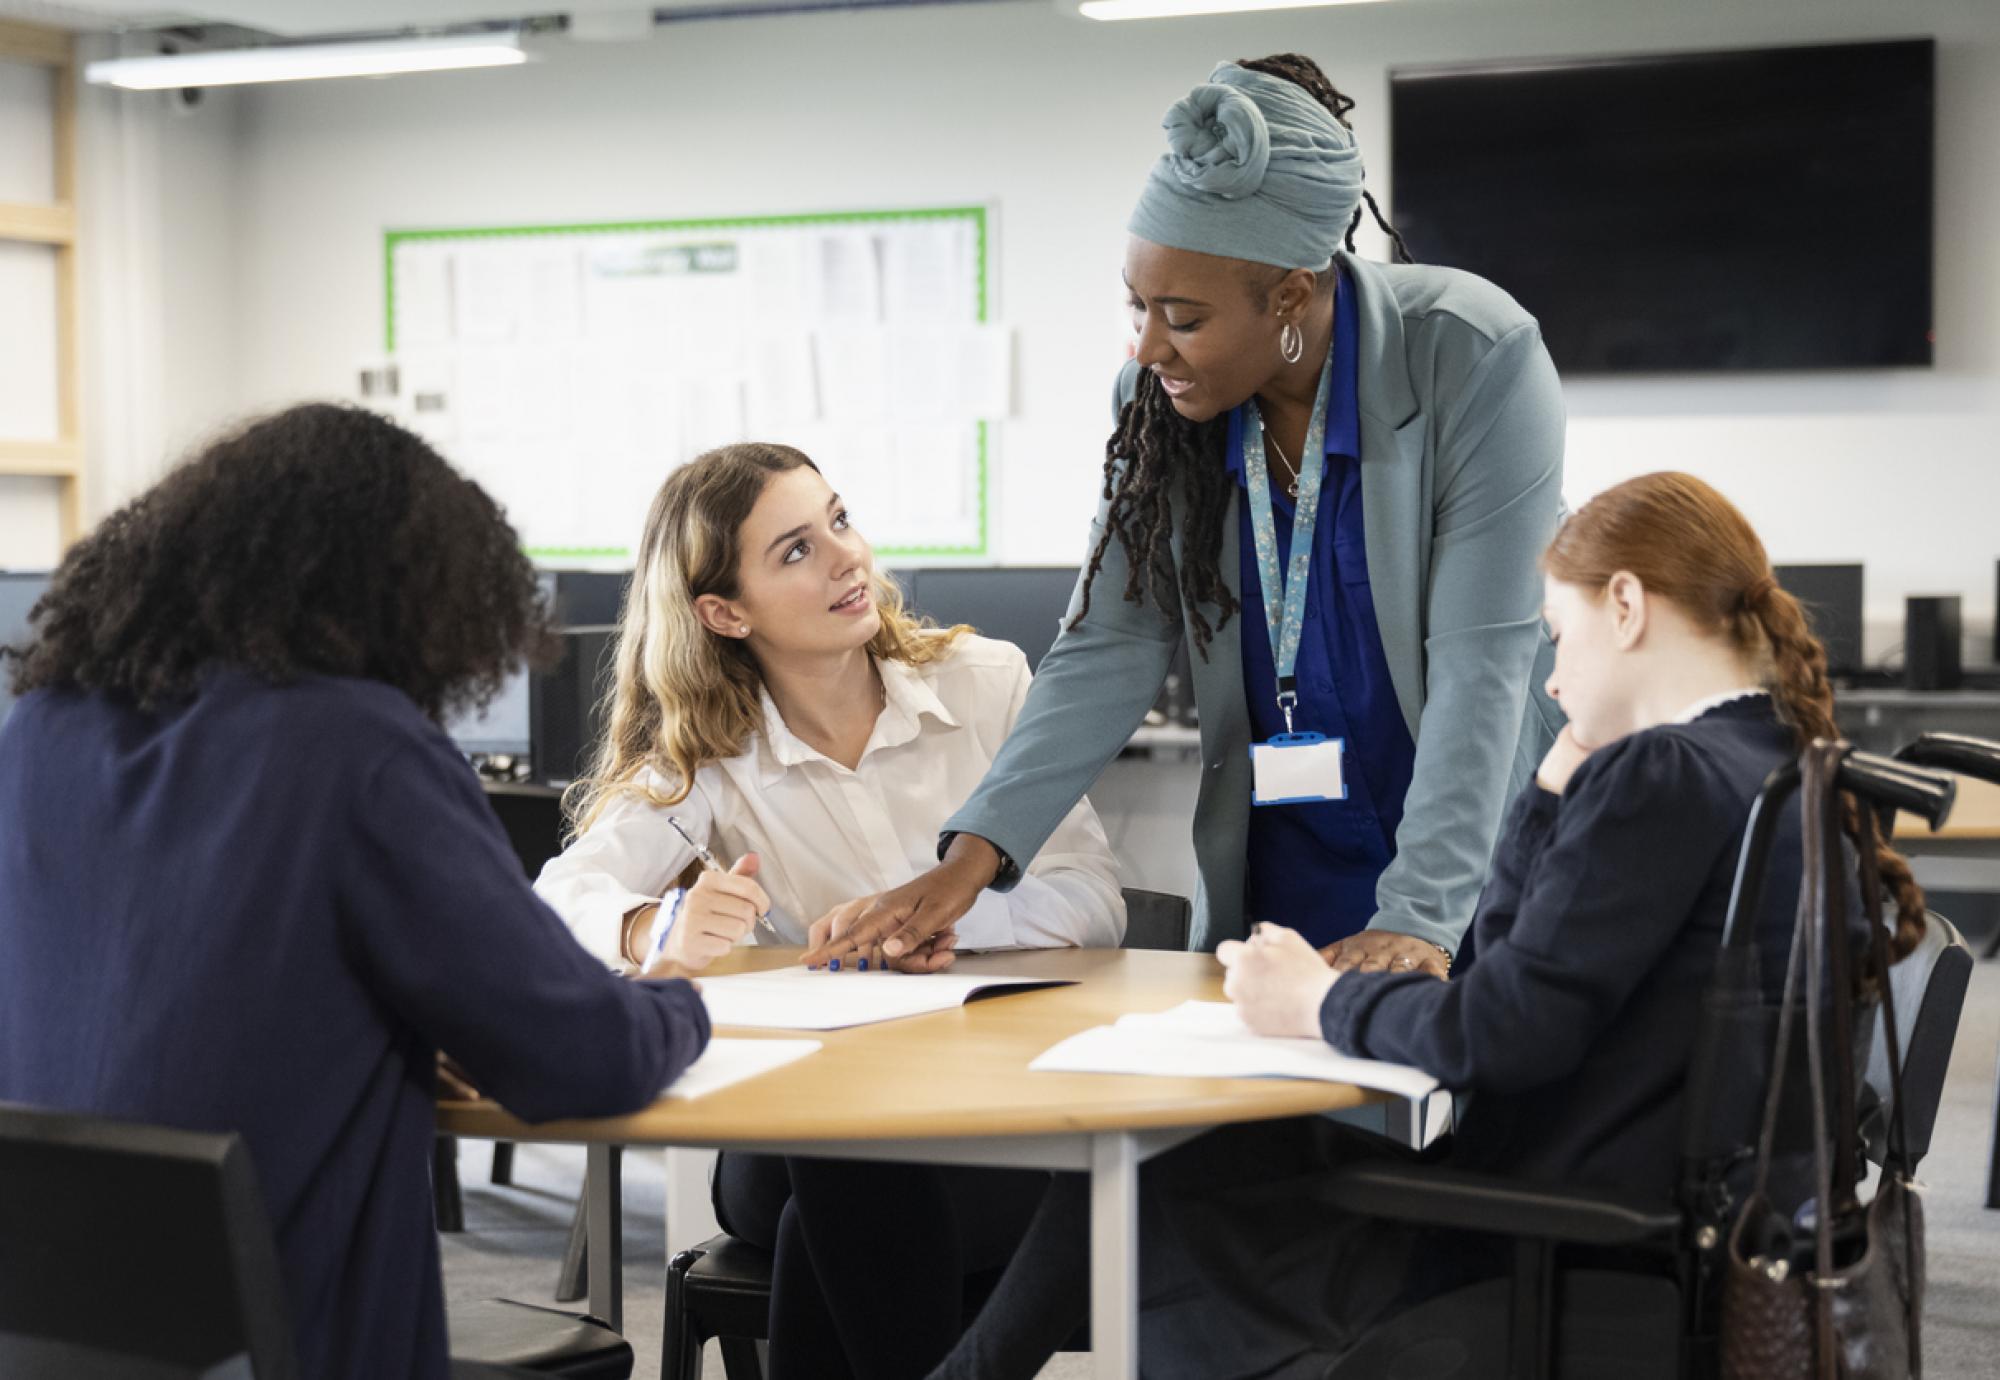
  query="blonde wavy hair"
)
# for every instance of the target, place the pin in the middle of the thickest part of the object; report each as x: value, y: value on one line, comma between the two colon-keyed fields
x: 682, y: 697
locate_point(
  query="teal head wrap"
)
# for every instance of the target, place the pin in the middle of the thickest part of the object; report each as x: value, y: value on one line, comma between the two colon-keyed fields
x: 1255, y: 169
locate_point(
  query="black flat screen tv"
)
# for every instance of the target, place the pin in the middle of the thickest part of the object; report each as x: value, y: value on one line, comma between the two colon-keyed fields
x: 1762, y: 209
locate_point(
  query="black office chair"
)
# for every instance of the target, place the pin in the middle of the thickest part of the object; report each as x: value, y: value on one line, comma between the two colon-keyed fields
x: 722, y: 1288
x: 133, y: 1250
x: 1609, y: 1284
x: 1156, y: 920
x: 1976, y: 757
x: 125, y: 1247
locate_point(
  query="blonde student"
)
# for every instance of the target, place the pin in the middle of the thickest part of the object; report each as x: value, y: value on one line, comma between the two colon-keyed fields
x: 775, y: 702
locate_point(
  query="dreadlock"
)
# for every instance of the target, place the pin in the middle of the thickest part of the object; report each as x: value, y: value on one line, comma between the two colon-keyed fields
x: 1152, y: 444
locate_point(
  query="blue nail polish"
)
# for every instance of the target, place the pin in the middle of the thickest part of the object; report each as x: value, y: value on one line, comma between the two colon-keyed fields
x: 864, y: 965
x: 834, y: 964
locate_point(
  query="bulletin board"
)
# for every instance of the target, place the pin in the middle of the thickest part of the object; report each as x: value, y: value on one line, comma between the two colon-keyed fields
x: 569, y: 368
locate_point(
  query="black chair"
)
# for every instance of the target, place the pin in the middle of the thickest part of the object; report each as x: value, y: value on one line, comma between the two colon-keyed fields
x: 1929, y: 989
x: 1607, y: 1284
x: 1156, y: 920
x: 135, y: 1252
x: 129, y: 1249
x: 1979, y: 758
x: 722, y: 1288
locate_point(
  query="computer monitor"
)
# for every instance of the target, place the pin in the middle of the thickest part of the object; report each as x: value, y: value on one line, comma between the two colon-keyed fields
x: 1832, y: 598
x: 19, y: 589
x: 586, y: 598
x: 1023, y: 605
x: 503, y: 729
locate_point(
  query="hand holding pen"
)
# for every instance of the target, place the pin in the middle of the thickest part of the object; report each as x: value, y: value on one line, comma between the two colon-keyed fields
x: 713, y: 915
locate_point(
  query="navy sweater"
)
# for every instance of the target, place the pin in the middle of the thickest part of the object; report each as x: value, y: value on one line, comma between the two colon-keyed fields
x: 265, y: 912
x: 1595, y: 937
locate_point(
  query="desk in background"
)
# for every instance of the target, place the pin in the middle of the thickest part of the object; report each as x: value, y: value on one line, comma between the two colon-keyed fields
x: 954, y: 1088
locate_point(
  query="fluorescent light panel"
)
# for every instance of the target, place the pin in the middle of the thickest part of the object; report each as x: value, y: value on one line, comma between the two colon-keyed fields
x: 308, y: 62
x: 1175, y: 9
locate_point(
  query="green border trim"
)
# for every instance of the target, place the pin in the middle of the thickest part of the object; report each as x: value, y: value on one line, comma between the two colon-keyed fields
x: 391, y: 239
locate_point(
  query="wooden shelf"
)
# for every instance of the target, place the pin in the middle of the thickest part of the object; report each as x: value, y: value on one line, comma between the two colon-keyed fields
x: 54, y: 225
x: 41, y: 459
x: 27, y: 43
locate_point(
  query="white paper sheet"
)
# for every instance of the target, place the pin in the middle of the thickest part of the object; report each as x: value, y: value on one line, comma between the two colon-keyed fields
x: 802, y: 999
x: 424, y: 309
x: 726, y: 1063
x: 1207, y: 1039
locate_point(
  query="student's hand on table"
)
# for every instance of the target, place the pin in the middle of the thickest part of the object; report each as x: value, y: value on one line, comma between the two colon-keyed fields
x: 1565, y: 755
x: 1277, y: 981
x: 718, y: 910
x: 1385, y: 951
x: 933, y: 955
x: 900, y: 921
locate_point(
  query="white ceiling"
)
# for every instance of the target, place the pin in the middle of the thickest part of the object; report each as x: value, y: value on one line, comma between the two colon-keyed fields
x: 298, y: 18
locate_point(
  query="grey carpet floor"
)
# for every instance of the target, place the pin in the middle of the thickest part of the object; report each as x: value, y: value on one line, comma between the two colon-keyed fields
x: 513, y: 1243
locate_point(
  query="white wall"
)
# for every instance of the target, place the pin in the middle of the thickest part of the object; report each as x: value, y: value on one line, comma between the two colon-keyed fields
x: 1056, y: 121
x: 156, y: 303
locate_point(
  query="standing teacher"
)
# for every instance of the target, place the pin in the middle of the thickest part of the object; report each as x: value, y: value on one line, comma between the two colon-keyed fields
x: 1357, y: 465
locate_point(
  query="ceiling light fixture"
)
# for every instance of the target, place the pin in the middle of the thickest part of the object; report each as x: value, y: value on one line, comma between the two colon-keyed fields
x: 1175, y: 9
x: 309, y: 62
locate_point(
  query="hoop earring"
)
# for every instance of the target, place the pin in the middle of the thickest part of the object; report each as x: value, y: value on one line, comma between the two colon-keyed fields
x: 1291, y: 343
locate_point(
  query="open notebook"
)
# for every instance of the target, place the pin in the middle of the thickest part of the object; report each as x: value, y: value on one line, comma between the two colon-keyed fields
x: 807, y: 999
x: 1207, y: 1039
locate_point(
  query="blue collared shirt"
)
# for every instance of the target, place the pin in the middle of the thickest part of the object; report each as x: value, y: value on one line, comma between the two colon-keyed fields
x: 1314, y: 866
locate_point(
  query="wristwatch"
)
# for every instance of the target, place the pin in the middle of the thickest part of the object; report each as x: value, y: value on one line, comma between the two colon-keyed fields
x: 1004, y: 879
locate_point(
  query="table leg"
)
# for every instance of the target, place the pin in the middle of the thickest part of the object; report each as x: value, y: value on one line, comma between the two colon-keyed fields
x: 607, y: 1237
x: 1114, y: 1256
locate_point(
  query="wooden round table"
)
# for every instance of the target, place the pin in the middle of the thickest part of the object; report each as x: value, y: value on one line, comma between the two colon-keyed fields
x: 954, y: 1088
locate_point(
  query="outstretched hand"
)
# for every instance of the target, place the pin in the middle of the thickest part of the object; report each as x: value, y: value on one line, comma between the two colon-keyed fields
x: 933, y: 955
x: 901, y: 921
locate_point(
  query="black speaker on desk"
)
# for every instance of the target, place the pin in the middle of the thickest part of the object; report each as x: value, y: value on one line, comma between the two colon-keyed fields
x: 1933, y: 641
x: 566, y: 704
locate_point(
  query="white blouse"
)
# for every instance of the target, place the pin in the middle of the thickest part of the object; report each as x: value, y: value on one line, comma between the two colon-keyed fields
x: 824, y: 835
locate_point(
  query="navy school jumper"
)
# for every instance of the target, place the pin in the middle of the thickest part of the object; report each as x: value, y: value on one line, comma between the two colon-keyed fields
x: 265, y: 911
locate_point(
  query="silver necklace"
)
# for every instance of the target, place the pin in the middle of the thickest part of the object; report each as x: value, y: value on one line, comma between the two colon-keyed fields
x: 1291, y: 488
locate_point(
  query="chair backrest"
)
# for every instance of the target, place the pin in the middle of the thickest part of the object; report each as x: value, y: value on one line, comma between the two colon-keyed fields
x: 1929, y: 990
x: 1156, y: 920
x: 134, y: 1250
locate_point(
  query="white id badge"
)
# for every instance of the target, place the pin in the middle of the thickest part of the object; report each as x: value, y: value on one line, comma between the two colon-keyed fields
x: 1297, y: 767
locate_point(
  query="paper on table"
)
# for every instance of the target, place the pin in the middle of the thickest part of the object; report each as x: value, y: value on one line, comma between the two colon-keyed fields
x: 1207, y: 1039
x: 728, y: 1062
x: 803, y: 999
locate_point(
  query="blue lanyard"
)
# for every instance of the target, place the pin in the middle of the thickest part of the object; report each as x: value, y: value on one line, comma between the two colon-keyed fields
x: 1286, y: 591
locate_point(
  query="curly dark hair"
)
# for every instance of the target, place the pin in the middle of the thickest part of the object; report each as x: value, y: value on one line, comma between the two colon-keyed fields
x: 1153, y: 443
x: 322, y: 540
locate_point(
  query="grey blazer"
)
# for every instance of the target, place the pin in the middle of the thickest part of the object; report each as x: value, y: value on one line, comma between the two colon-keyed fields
x: 1461, y: 481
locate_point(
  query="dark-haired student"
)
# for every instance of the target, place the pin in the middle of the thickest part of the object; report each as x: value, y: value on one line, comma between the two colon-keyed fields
x: 1688, y: 675
x: 1332, y: 478
x: 247, y: 884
